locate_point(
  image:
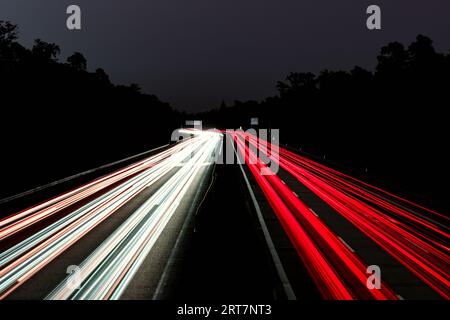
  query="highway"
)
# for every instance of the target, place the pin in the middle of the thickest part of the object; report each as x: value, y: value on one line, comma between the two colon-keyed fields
x: 179, y: 224
x: 316, y: 205
x: 105, y: 272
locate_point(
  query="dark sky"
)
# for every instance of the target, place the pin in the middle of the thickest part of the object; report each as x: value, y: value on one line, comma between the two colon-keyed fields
x: 194, y: 53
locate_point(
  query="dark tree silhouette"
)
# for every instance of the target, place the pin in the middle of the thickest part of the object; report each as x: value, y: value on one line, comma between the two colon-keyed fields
x: 45, y: 51
x: 59, y: 119
x: 392, y: 120
x: 8, y: 32
x: 101, y: 76
x: 393, y: 59
x: 297, y: 83
x: 77, y: 61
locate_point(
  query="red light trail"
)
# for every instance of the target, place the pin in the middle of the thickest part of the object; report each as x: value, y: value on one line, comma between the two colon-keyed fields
x: 413, y: 239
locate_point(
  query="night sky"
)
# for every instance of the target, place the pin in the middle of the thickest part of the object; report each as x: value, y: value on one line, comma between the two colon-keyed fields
x: 195, y: 53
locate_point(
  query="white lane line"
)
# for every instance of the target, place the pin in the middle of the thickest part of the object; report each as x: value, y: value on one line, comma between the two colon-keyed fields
x: 346, y: 244
x: 314, y: 212
x: 220, y: 149
x: 276, y: 259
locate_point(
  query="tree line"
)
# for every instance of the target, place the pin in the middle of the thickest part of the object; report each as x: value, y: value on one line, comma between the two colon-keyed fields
x: 58, y: 118
x: 391, y: 121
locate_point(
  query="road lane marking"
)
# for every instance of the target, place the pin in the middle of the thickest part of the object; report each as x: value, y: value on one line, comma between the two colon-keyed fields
x: 276, y: 258
x: 347, y: 245
x: 314, y: 212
